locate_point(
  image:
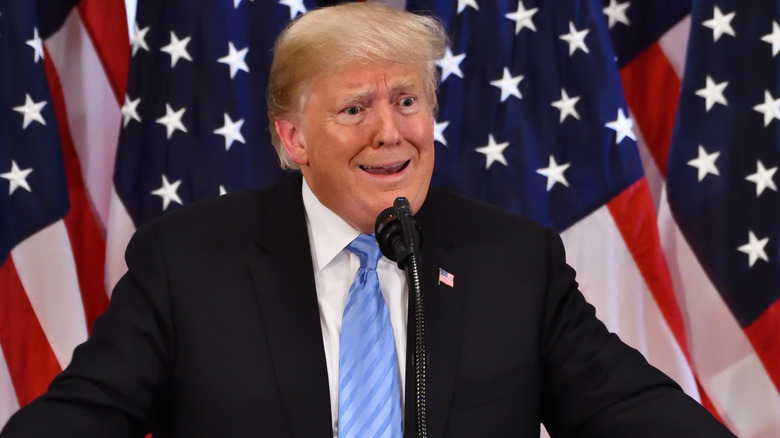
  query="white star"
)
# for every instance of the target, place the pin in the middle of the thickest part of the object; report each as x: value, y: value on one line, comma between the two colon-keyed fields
x: 720, y: 24
x: 617, y: 13
x: 566, y: 106
x: 17, y: 178
x: 754, y: 248
x: 463, y: 3
x: 576, y: 39
x: 705, y: 163
x: 770, y: 108
x: 177, y: 49
x: 231, y: 131
x: 763, y: 178
x: 450, y: 64
x: 622, y: 126
x: 37, y: 44
x: 130, y: 111
x: 235, y: 59
x: 713, y: 93
x: 31, y: 111
x: 438, y: 132
x: 508, y: 85
x: 168, y: 192
x: 523, y: 17
x: 172, y: 120
x: 773, y: 38
x: 493, y: 152
x: 138, y: 40
x: 296, y: 6
x: 554, y: 173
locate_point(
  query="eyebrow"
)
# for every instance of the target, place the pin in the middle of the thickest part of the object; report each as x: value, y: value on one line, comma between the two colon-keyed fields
x: 403, y: 85
x: 362, y: 95
x: 358, y: 96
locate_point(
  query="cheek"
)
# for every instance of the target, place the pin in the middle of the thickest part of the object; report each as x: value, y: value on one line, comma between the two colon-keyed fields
x: 421, y: 130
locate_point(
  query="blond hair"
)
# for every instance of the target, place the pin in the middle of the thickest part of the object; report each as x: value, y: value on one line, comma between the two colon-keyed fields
x: 326, y: 40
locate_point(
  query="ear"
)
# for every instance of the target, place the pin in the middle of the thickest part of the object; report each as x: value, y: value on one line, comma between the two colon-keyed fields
x: 292, y: 141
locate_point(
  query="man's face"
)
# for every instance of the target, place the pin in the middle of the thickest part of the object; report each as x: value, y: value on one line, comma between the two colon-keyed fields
x: 363, y: 138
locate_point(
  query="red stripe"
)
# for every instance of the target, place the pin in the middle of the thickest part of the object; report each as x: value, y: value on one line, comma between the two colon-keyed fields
x: 31, y: 361
x: 652, y: 90
x: 764, y: 334
x: 635, y: 217
x: 106, y: 23
x: 707, y: 403
x: 86, y: 239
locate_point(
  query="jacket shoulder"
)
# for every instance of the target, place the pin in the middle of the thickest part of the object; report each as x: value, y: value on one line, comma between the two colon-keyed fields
x: 456, y: 213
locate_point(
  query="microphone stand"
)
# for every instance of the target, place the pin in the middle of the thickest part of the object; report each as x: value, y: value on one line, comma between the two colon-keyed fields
x: 399, y: 239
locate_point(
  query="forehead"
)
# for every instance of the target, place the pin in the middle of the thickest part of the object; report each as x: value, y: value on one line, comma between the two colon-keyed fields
x: 368, y: 78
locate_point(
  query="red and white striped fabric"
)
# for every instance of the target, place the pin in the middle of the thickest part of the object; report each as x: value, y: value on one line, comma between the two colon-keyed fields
x: 54, y: 281
x: 735, y: 385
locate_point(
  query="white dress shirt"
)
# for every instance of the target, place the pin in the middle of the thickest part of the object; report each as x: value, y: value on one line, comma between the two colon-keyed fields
x: 334, y: 269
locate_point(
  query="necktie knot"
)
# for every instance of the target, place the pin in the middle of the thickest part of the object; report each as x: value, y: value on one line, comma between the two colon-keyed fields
x: 364, y: 246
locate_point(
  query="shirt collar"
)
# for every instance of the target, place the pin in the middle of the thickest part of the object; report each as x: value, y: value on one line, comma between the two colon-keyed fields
x: 328, y: 233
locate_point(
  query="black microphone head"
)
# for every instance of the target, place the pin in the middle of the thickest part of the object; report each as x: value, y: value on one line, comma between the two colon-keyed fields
x: 402, y: 206
x: 387, y: 230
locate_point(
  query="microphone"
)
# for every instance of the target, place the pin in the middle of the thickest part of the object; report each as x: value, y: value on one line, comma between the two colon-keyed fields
x: 398, y: 237
x: 391, y: 228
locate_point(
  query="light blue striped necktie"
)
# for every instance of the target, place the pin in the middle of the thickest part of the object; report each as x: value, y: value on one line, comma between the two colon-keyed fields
x: 369, y: 389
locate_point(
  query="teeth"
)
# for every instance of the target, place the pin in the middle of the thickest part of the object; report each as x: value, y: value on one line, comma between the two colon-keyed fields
x: 383, y: 167
x: 384, y: 170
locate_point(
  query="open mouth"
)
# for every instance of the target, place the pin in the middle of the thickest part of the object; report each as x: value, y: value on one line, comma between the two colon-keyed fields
x: 386, y: 170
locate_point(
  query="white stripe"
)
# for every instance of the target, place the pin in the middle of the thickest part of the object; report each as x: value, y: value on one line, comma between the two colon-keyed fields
x: 723, y: 356
x: 47, y: 272
x: 130, y: 7
x: 120, y: 230
x: 93, y: 113
x: 674, y: 44
x: 8, y: 401
x: 611, y: 281
x: 740, y: 382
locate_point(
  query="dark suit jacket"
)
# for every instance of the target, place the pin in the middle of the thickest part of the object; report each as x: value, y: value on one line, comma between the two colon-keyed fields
x: 215, y: 331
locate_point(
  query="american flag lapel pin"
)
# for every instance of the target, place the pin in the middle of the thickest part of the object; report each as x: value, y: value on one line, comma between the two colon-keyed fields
x: 446, y: 278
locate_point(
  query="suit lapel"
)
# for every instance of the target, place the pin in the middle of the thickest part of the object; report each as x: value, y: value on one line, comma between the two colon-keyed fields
x: 284, y: 284
x: 443, y: 316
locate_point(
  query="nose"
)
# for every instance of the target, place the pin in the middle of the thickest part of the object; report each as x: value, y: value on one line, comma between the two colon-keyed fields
x: 387, y: 132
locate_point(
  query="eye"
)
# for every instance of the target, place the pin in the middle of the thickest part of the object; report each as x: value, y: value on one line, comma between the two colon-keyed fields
x: 353, y: 110
x: 407, y: 101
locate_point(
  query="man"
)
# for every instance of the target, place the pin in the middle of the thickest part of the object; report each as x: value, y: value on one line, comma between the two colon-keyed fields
x: 228, y: 322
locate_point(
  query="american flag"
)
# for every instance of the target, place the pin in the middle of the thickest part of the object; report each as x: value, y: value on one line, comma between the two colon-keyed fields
x: 722, y: 195
x: 51, y: 245
x: 446, y: 277
x: 532, y: 118
x: 726, y: 287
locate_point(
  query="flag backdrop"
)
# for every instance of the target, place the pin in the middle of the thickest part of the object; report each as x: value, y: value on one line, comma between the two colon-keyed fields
x: 711, y: 162
x: 532, y: 118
